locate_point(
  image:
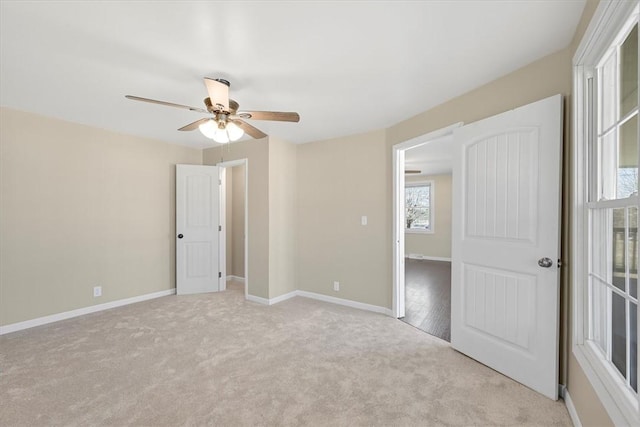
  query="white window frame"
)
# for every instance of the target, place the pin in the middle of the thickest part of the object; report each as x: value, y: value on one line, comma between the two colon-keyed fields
x: 608, y: 20
x: 432, y: 213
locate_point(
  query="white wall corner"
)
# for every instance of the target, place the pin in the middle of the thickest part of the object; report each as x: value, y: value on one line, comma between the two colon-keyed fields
x: 14, y: 327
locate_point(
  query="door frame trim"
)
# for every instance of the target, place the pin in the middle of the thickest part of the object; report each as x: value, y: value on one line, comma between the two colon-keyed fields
x: 223, y: 237
x: 398, y: 150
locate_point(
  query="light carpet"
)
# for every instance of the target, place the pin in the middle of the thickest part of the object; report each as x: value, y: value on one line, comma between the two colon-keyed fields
x: 218, y: 360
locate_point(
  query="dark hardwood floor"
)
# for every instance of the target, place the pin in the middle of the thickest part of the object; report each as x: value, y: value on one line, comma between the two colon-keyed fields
x: 428, y: 296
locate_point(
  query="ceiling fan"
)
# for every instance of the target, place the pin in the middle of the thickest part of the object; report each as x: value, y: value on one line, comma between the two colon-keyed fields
x: 227, y: 123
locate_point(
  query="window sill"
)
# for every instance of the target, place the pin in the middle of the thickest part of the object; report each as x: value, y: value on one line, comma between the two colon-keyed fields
x: 620, y: 407
x: 417, y: 231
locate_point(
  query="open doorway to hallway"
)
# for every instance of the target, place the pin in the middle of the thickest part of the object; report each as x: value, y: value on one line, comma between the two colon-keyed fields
x: 422, y: 261
x: 427, y: 244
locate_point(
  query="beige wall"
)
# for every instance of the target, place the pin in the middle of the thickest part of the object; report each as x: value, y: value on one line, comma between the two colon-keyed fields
x: 584, y: 398
x: 272, y: 202
x: 82, y: 207
x: 543, y: 78
x: 438, y: 243
x: 339, y: 181
x: 229, y: 221
x: 257, y: 153
x: 237, y: 229
x: 235, y: 220
x: 282, y: 217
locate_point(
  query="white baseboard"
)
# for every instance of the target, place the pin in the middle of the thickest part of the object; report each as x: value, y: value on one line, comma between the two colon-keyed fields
x: 430, y: 258
x: 283, y: 297
x: 347, y: 302
x: 571, y: 408
x: 272, y: 301
x: 14, y: 327
x: 321, y: 297
x: 259, y: 300
x: 235, y: 278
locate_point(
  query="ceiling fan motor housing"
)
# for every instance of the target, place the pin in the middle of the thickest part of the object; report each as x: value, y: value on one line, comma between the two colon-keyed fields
x: 223, y: 81
x: 233, y: 106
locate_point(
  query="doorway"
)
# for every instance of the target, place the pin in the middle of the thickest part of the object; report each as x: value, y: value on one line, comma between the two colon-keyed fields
x: 422, y: 231
x: 428, y: 296
x: 234, y: 225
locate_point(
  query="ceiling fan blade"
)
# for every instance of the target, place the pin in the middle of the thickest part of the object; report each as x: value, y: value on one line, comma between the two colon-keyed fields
x: 194, y: 125
x: 270, y: 115
x: 407, y: 171
x: 168, y: 104
x: 218, y: 93
x: 249, y: 130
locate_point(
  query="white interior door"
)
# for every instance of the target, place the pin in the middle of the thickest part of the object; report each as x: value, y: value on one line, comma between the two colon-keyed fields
x: 505, y: 243
x: 197, y: 229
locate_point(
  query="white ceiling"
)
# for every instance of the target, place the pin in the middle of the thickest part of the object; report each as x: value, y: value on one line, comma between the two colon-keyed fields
x: 347, y: 67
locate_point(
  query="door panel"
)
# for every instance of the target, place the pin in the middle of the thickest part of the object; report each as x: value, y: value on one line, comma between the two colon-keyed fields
x: 198, y: 255
x: 500, y: 197
x: 499, y: 304
x: 506, y: 216
x: 197, y: 221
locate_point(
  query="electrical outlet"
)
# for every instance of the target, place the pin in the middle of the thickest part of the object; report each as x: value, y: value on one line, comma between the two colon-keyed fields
x: 97, y: 291
x: 336, y: 286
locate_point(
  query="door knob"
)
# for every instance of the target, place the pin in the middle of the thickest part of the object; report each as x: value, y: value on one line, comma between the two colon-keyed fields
x: 180, y: 236
x: 545, y: 262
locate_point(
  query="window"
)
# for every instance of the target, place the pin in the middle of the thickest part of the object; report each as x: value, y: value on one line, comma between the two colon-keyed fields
x: 613, y: 227
x: 418, y: 207
x: 606, y: 218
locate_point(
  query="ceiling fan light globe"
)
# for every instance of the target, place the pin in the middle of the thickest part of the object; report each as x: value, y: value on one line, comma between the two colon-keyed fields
x: 235, y: 132
x: 221, y: 136
x: 208, y: 129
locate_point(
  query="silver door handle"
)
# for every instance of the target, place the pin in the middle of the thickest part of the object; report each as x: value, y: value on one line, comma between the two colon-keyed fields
x: 545, y: 262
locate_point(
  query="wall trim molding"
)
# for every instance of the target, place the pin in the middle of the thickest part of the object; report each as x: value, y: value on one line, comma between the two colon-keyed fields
x: 32, y: 323
x: 346, y: 302
x: 236, y: 278
x: 259, y: 300
x: 321, y: 297
x: 573, y: 413
x: 272, y: 301
x: 430, y: 258
x: 283, y: 297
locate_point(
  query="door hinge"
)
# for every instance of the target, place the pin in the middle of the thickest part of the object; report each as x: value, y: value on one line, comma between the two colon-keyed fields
x: 219, y: 274
x: 219, y: 228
